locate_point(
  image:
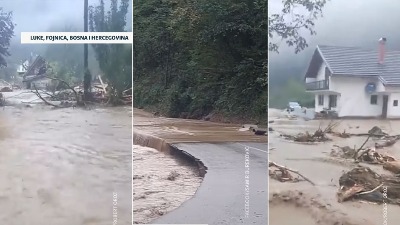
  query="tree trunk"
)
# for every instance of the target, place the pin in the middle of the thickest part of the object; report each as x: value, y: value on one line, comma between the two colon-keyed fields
x: 87, y: 77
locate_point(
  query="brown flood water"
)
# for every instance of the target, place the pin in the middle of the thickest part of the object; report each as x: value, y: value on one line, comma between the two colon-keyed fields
x: 174, y: 130
x: 161, y: 183
x: 153, y: 194
x: 61, y: 167
x: 319, y: 203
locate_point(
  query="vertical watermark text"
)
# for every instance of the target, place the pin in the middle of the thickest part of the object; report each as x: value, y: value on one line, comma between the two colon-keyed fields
x: 115, y: 208
x: 247, y: 182
x: 384, y: 215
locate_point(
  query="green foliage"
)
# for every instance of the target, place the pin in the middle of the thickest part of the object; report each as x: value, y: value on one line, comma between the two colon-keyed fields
x: 202, y: 56
x: 294, y: 90
x: 290, y: 30
x: 66, y: 60
x: 296, y: 18
x: 115, y: 60
x: 6, y: 33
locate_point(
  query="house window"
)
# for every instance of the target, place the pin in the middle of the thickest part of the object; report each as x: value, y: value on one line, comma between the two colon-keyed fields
x: 320, y: 99
x: 395, y: 102
x: 374, y: 99
x: 332, y: 101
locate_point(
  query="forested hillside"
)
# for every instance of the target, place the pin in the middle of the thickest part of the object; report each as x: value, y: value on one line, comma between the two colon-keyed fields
x: 192, y: 58
x: 359, y: 24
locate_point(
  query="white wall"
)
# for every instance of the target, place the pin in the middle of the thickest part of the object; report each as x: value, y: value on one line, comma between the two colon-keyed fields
x: 319, y: 108
x: 320, y: 74
x: 354, y: 101
x: 393, y: 111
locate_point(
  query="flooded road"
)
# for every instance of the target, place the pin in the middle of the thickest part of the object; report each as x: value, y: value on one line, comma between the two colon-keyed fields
x: 65, y: 166
x: 222, y: 196
x: 174, y: 130
x: 160, y: 183
x: 220, y: 199
x: 318, y: 204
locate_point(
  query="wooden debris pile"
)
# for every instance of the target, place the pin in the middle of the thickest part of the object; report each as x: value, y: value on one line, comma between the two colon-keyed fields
x: 373, y: 132
x: 73, y: 96
x: 342, y: 135
x: 318, y: 136
x: 368, y: 155
x: 372, y: 157
x: 362, y: 183
x: 284, y: 174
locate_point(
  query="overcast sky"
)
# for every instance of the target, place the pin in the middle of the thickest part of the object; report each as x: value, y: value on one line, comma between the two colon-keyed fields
x: 346, y: 23
x: 40, y: 15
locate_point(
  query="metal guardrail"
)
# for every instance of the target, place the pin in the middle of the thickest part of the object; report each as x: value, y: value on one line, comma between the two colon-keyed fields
x: 317, y: 85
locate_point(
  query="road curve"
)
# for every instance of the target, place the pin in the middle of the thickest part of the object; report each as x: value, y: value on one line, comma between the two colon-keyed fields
x: 220, y: 200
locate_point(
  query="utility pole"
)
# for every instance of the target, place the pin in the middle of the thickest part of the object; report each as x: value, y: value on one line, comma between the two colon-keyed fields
x: 87, y: 77
x: 85, y: 29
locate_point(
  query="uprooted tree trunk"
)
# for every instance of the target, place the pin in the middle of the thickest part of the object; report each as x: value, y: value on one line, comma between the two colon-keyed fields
x: 361, y: 154
x: 320, y: 135
x: 393, y: 166
x: 363, y: 183
x: 283, y: 173
x: 78, y: 98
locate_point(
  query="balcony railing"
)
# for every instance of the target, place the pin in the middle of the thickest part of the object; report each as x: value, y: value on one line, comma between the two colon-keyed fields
x: 317, y: 85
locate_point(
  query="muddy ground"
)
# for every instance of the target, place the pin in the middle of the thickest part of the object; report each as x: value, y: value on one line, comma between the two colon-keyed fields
x: 154, y: 194
x: 308, y: 204
x: 62, y: 166
x: 161, y: 183
x: 174, y: 130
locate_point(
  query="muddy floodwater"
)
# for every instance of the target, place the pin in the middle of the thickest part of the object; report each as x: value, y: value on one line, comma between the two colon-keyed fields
x: 160, y: 183
x: 65, y: 166
x: 317, y: 204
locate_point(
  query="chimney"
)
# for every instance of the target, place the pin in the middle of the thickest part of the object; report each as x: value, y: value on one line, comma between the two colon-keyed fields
x: 382, y: 42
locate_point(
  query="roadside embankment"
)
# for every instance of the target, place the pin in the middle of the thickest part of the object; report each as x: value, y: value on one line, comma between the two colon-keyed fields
x: 164, y: 177
x: 190, y: 146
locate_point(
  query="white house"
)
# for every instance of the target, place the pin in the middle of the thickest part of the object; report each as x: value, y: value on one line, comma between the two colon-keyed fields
x: 22, y: 68
x: 355, y: 82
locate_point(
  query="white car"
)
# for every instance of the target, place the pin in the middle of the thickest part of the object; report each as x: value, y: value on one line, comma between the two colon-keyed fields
x: 293, y: 105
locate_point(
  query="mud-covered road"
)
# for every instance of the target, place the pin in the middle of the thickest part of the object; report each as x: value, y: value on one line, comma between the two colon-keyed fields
x: 64, y: 166
x: 223, y: 197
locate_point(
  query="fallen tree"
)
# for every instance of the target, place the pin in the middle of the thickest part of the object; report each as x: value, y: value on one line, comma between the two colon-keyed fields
x: 367, y: 155
x: 70, y: 97
x: 362, y: 183
x: 320, y: 135
x: 78, y: 98
x: 283, y: 174
x: 317, y: 136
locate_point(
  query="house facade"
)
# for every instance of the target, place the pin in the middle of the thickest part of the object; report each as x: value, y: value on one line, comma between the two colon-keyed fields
x: 355, y: 82
x: 35, y: 74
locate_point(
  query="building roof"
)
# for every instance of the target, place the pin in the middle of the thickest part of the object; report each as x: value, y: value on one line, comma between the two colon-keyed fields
x: 353, y: 61
x: 36, y: 64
